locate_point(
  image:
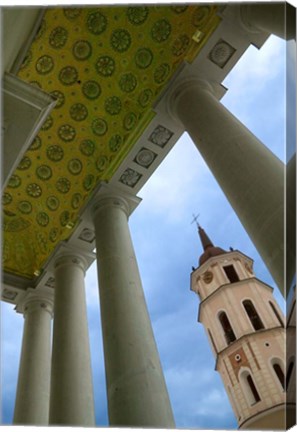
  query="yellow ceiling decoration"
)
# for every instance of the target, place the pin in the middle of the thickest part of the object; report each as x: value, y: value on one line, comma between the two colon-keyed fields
x: 105, y: 66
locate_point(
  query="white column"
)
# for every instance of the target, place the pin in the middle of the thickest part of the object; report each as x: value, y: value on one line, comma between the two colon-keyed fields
x: 136, y: 389
x: 275, y: 18
x: 250, y: 175
x: 71, y: 401
x: 33, y: 389
x: 290, y: 221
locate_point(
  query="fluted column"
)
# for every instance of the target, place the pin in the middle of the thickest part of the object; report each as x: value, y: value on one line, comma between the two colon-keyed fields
x: 71, y: 401
x: 136, y: 389
x: 250, y: 175
x: 277, y: 18
x: 33, y: 388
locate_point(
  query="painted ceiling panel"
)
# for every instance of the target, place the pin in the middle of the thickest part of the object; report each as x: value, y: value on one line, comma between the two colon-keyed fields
x: 105, y: 66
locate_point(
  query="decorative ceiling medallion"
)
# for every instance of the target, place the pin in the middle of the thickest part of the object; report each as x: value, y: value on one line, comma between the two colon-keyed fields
x: 160, y: 136
x: 145, y: 157
x: 105, y: 67
x: 137, y: 15
x: 221, y: 53
x: 8, y: 294
x: 87, y: 235
x: 130, y: 177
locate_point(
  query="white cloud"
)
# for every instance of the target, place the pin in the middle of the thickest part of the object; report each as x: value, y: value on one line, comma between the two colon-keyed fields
x: 205, y: 398
x: 91, y: 284
x: 11, y: 338
x: 214, y: 403
x: 184, y: 376
x: 169, y: 190
x: 256, y: 68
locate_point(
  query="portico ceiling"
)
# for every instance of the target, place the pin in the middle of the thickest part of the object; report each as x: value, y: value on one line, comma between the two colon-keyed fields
x: 105, y: 66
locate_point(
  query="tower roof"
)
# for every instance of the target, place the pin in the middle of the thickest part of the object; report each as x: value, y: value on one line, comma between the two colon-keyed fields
x: 209, y: 249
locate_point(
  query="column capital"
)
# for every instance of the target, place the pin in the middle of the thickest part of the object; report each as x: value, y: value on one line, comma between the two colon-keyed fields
x: 71, y: 259
x: 111, y: 197
x: 180, y: 88
x: 66, y: 254
x: 269, y: 18
x: 245, y: 19
x: 111, y: 201
x: 35, y: 299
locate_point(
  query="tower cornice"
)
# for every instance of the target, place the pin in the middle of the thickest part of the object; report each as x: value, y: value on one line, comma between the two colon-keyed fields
x: 220, y: 258
x: 264, y: 412
x: 234, y: 285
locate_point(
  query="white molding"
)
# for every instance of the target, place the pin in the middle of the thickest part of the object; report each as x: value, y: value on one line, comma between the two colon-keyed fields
x: 21, y: 90
x: 39, y: 14
x: 19, y: 27
x: 36, y: 295
x: 64, y: 249
x: 25, y: 108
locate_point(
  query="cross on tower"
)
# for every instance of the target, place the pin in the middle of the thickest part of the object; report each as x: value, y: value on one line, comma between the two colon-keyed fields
x: 195, y: 219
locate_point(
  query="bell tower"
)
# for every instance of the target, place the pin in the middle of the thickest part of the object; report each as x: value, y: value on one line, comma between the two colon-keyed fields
x: 245, y: 328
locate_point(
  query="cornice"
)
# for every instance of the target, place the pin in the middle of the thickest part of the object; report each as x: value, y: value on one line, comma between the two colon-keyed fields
x: 233, y: 285
x: 219, y: 258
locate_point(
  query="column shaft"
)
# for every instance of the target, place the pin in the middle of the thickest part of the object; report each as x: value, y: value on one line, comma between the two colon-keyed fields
x: 250, y: 175
x: 136, y: 389
x: 290, y: 222
x: 33, y: 389
x: 71, y: 401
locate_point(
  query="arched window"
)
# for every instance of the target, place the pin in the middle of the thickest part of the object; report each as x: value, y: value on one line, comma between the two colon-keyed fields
x: 249, y: 388
x: 289, y: 373
x: 253, y: 389
x: 253, y: 315
x: 279, y: 373
x: 276, y: 314
x: 228, y: 331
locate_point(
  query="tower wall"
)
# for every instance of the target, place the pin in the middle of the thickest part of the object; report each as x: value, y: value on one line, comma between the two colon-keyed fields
x: 254, y: 354
x: 245, y: 328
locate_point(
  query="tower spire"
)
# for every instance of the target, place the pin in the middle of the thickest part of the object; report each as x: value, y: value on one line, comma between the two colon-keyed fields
x: 209, y: 249
x: 205, y: 240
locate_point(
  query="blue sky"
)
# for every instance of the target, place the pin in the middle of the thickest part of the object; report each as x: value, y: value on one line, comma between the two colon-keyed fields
x: 167, y: 246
